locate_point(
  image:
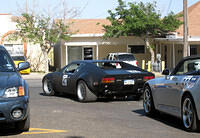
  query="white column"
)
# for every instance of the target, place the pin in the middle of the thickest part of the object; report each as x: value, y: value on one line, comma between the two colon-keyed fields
x: 188, y: 49
x: 66, y: 50
x: 174, y: 55
x: 97, y: 51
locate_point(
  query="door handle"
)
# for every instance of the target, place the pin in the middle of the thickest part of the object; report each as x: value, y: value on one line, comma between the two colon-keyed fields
x: 174, y: 79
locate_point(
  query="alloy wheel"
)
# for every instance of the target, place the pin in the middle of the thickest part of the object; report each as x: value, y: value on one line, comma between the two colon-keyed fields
x: 147, y: 101
x: 81, y: 91
x: 187, y: 113
x: 47, y: 87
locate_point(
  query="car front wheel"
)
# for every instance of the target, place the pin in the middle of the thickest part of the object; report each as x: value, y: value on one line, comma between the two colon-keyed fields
x: 189, y: 116
x: 47, y: 87
x: 84, y: 94
x: 148, y: 104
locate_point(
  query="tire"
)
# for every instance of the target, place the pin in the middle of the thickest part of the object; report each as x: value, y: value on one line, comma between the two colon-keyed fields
x: 84, y: 94
x: 23, y: 125
x: 148, y: 103
x: 189, y: 115
x: 47, y: 87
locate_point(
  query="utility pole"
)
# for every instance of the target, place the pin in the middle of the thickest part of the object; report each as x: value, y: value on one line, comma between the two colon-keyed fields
x: 26, y: 6
x: 185, y: 36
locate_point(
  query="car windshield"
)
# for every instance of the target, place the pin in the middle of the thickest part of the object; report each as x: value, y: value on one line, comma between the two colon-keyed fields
x: 18, y: 58
x: 5, y: 62
x: 127, y: 57
x: 191, y: 66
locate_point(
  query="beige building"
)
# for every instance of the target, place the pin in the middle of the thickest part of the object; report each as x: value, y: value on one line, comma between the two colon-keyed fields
x: 171, y: 48
x: 88, y: 43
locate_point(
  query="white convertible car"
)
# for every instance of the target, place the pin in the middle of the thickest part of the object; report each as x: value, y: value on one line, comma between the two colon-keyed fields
x: 177, y: 93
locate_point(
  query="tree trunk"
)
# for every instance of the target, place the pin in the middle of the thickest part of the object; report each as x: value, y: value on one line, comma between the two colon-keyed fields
x: 151, y: 51
x: 46, y: 64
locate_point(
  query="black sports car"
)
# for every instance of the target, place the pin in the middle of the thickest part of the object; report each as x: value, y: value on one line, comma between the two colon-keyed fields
x: 91, y: 79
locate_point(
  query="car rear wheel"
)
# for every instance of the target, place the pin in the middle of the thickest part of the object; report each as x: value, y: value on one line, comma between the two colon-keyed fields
x: 189, y: 115
x: 148, y: 104
x: 47, y: 87
x: 84, y: 94
x: 23, y: 125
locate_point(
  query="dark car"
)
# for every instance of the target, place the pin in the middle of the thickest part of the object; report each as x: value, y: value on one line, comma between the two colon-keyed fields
x: 91, y: 79
x: 14, y: 93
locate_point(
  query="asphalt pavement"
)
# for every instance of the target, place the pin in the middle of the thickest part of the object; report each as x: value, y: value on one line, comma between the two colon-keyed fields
x: 64, y: 117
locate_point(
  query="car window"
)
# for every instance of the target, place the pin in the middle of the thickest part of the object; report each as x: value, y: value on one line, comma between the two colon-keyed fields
x: 5, y: 62
x: 109, y: 65
x: 127, y: 57
x: 188, y: 66
x: 71, y: 68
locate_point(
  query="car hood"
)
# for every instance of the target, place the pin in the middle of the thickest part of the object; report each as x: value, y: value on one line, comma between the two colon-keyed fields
x: 8, y: 80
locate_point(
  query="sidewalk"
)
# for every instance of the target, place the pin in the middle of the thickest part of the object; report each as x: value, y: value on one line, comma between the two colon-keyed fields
x: 33, y: 75
x: 158, y: 74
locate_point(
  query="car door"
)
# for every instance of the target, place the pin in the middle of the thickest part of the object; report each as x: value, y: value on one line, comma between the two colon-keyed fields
x: 166, y: 92
x: 169, y: 96
x: 68, y: 78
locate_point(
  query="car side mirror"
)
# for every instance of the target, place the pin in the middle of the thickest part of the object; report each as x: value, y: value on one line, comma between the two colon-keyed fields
x: 23, y: 66
x: 165, y: 72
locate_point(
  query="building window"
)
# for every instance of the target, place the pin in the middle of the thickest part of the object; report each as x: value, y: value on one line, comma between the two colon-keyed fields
x: 88, y: 53
x: 136, y: 49
x: 15, y: 49
x: 79, y: 53
x: 193, y: 50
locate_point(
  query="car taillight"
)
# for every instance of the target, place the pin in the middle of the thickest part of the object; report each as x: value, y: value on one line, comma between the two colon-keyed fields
x: 136, y: 63
x: 108, y: 80
x: 146, y: 78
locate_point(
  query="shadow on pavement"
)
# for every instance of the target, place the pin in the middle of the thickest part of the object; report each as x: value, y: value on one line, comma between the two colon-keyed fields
x: 105, y: 100
x: 74, y: 137
x: 8, y: 130
x: 163, y: 118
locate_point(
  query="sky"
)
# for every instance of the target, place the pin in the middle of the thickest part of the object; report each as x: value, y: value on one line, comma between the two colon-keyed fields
x: 88, y: 8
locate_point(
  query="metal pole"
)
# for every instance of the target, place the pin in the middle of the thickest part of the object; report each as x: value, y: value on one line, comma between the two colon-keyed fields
x: 185, y: 37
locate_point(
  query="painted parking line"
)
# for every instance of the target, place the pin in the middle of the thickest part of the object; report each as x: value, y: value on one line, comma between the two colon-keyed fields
x: 43, y: 131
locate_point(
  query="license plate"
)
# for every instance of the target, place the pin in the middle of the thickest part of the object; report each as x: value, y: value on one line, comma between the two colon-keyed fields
x: 129, y: 82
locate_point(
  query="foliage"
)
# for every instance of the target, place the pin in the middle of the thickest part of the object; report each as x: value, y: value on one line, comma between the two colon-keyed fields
x: 139, y: 19
x: 40, y: 30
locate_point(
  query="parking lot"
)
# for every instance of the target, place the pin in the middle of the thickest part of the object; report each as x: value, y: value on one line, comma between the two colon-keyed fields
x: 64, y: 117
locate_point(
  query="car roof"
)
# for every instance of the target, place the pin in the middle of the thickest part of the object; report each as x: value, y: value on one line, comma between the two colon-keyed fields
x: 92, y: 61
x: 189, y: 57
x: 122, y: 53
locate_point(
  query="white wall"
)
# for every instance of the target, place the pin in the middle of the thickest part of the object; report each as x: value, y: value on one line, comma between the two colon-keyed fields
x: 6, y: 24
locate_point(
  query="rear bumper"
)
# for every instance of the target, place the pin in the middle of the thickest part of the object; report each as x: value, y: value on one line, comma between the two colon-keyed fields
x: 107, y: 90
x: 7, y: 106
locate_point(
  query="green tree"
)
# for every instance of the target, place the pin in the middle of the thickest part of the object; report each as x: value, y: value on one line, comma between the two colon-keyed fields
x: 140, y: 19
x: 41, y: 30
x: 44, y: 26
